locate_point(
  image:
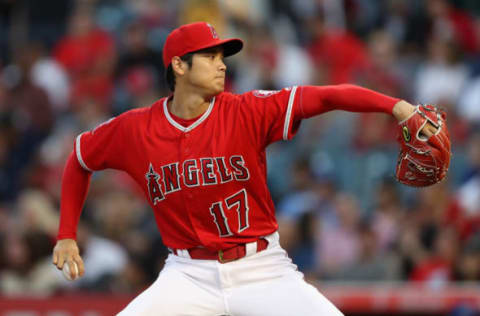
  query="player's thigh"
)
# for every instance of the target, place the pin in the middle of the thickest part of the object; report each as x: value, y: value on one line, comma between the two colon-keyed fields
x: 174, y: 294
x: 286, y: 296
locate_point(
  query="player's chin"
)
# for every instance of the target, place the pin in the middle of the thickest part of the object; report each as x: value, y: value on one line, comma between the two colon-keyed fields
x: 218, y: 88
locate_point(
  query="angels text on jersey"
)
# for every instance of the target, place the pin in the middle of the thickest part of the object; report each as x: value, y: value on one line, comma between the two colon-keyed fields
x: 166, y: 179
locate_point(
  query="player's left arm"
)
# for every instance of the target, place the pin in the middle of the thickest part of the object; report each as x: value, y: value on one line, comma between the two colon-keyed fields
x: 315, y: 100
x: 422, y: 131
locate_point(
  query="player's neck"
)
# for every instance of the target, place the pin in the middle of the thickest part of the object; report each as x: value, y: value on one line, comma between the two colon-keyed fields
x: 188, y: 105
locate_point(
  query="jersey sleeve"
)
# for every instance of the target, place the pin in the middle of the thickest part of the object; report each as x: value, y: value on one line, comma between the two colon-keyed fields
x: 101, y: 148
x: 315, y: 100
x: 274, y: 115
x: 75, y: 183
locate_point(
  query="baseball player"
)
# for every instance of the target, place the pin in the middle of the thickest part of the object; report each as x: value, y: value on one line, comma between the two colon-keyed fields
x: 199, y: 156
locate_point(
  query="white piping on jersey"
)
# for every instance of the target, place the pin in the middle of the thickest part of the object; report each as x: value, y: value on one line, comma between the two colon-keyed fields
x: 289, y: 113
x: 79, y: 154
x: 192, y: 126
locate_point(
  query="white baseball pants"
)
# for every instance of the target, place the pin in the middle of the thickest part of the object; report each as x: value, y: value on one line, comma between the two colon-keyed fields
x: 262, y: 284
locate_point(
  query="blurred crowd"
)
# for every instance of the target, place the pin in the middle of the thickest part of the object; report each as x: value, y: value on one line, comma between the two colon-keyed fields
x: 66, y: 66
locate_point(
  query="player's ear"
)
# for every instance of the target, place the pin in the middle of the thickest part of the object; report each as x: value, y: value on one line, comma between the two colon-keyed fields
x: 178, y: 66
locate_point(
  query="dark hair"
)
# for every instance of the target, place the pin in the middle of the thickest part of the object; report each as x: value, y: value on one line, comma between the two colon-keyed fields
x: 170, y: 77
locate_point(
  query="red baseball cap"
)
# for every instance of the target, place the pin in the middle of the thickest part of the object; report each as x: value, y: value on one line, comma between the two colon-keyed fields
x: 196, y: 36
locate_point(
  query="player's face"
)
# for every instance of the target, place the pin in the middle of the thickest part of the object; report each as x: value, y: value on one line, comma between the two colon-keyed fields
x: 208, y: 71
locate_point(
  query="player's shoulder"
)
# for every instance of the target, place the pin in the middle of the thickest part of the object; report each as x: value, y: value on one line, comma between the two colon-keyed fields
x: 255, y: 97
x: 237, y: 98
x: 139, y: 114
x: 265, y: 94
x: 227, y: 97
x: 143, y: 111
x: 131, y: 120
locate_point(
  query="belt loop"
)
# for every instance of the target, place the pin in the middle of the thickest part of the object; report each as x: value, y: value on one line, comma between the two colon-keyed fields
x: 183, y: 253
x: 250, y: 248
x: 272, y: 239
x: 187, y: 254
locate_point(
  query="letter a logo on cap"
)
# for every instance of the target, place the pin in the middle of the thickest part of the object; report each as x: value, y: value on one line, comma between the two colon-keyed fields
x: 214, y: 33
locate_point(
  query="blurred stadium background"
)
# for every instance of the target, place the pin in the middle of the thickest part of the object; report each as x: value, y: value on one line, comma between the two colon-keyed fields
x: 369, y: 244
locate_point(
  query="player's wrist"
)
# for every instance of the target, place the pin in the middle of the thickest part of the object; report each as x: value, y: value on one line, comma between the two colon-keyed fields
x: 61, y: 237
x: 402, y: 110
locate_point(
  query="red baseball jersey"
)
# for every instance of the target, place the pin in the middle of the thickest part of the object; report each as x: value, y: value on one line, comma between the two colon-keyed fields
x: 206, y: 183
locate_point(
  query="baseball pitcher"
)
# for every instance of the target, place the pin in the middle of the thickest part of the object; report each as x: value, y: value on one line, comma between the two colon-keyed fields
x: 199, y: 156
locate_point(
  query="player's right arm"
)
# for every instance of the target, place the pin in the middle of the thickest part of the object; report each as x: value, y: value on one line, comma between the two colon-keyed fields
x: 94, y: 150
x: 75, y: 183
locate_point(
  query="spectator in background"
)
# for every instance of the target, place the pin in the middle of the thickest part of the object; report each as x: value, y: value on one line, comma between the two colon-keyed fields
x: 387, y: 217
x: 440, y: 80
x: 115, y: 209
x: 27, y: 269
x: 104, y: 257
x: 422, y: 240
x: 396, y: 22
x: 464, y: 211
x: 7, y: 145
x: 255, y: 67
x: 27, y: 101
x: 293, y: 66
x: 131, y: 279
x: 383, y: 70
x: 273, y: 59
x: 436, y: 269
x: 468, y: 261
x: 301, y: 212
x: 36, y: 213
x: 371, y: 264
x: 442, y: 76
x: 88, y: 55
x: 338, y: 55
x: 203, y: 10
x: 468, y: 106
x: 300, y: 200
x: 452, y: 24
x: 47, y: 21
x: 14, y: 278
x: 48, y: 74
x: 139, y: 70
x: 48, y: 169
x: 147, y: 255
x: 27, y: 119
x: 27, y: 241
x: 248, y: 12
x: 338, y: 243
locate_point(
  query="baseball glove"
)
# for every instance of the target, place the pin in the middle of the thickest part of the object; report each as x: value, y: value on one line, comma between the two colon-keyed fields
x: 423, y: 161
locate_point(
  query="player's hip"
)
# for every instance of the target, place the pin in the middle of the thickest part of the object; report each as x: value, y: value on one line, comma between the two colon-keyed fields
x: 269, y: 263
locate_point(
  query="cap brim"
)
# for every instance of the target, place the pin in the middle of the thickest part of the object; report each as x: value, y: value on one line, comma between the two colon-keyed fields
x: 230, y: 46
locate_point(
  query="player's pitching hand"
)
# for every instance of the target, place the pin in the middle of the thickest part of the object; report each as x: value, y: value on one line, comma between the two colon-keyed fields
x: 66, y: 252
x: 402, y: 110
